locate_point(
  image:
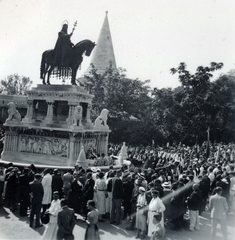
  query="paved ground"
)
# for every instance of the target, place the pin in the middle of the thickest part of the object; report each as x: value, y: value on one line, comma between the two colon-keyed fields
x: 14, y: 227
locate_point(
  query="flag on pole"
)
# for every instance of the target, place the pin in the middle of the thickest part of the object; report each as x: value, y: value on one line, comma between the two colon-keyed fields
x: 217, y: 155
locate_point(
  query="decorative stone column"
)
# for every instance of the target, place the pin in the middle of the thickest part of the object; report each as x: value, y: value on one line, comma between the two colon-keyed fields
x: 88, y: 113
x: 72, y: 106
x: 11, y: 141
x: 30, y: 112
x: 49, y: 117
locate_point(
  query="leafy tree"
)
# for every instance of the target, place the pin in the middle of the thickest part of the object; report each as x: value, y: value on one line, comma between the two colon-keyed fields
x: 123, y: 97
x: 165, y: 115
x: 15, y: 85
x: 197, y: 100
x: 223, y: 104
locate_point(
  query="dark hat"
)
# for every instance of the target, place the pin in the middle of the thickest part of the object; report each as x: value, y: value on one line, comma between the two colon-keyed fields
x: 26, y: 170
x: 100, y: 174
x: 37, y: 175
x: 55, y: 171
x: 155, y: 191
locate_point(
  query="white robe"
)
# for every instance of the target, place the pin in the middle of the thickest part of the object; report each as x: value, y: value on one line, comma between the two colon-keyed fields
x: 155, y: 206
x: 52, y: 227
x: 46, y: 183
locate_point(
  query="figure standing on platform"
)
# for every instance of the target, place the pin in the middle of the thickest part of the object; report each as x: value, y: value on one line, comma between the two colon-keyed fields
x: 63, y: 45
x: 123, y: 153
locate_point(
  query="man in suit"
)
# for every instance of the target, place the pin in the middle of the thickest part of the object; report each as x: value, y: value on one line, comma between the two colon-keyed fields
x: 88, y: 191
x: 36, y: 190
x: 117, y: 196
x: 67, y: 179
x: 65, y: 221
x: 218, y: 206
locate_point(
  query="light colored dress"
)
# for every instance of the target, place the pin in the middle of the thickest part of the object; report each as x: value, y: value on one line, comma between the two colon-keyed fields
x: 141, y: 219
x: 46, y: 183
x: 52, y: 227
x: 155, y: 206
x: 92, y: 231
x: 100, y: 187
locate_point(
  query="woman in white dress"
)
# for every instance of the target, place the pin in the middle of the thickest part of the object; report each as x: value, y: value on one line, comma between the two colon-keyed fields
x: 100, y: 189
x: 51, y: 228
x: 155, y: 206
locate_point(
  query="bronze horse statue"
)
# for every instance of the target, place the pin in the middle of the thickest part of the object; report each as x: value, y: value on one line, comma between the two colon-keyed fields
x: 73, y: 60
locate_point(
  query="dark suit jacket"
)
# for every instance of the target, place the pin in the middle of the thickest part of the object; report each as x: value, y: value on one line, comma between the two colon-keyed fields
x: 65, y: 221
x: 37, y: 191
x: 117, y: 188
x: 88, y: 189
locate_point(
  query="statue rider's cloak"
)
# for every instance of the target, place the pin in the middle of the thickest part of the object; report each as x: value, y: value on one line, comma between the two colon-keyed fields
x: 61, y: 51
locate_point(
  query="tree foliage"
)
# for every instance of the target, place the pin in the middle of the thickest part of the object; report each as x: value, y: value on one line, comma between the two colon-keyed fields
x: 15, y: 85
x: 122, y: 96
x: 166, y: 115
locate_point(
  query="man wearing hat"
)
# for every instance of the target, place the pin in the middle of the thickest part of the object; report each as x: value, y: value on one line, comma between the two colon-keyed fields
x: 36, y: 190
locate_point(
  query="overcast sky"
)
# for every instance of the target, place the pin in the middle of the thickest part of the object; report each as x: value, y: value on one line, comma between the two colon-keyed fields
x: 149, y: 36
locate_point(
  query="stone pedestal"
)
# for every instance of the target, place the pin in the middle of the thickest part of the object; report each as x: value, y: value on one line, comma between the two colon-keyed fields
x: 51, y: 134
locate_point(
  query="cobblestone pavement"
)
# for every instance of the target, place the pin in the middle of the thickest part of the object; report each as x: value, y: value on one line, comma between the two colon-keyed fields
x: 14, y: 227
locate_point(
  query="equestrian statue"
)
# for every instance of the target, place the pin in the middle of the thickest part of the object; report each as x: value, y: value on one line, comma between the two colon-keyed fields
x: 65, y: 59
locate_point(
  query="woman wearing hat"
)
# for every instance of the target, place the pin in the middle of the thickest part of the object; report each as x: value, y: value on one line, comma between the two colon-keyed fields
x: 155, y: 206
x: 141, y: 207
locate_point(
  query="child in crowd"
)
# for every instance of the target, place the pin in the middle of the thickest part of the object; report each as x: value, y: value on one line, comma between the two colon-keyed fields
x: 159, y: 230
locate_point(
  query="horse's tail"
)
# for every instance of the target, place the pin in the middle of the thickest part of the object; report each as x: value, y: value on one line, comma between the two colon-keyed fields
x: 42, y: 68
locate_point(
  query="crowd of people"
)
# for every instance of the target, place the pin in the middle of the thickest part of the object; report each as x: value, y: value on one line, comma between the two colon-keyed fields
x: 167, y: 186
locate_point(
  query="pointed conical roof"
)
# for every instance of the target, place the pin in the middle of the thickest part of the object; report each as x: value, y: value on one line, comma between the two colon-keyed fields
x: 103, y: 53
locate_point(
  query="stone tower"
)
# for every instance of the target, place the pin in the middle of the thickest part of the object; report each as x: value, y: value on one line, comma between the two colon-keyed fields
x: 103, y: 52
